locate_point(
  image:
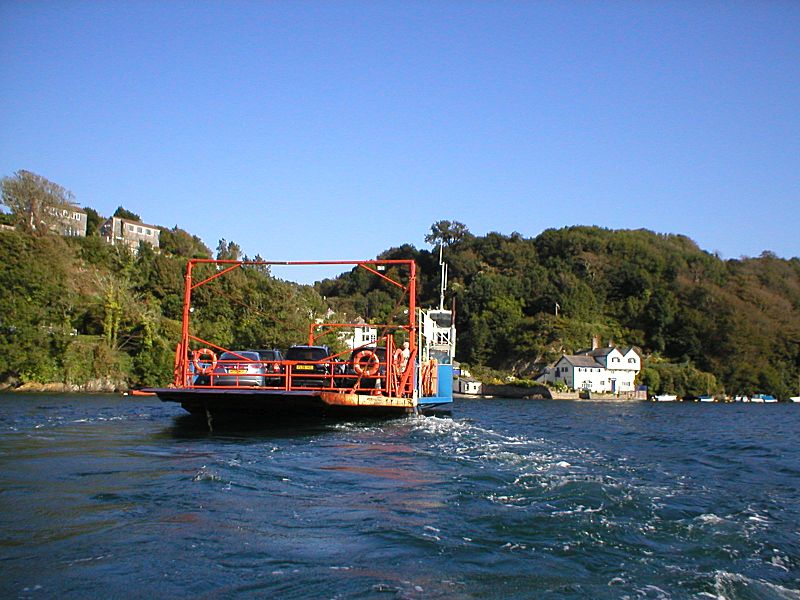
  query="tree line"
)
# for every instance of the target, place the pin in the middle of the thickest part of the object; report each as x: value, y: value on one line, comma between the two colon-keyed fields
x: 702, y: 324
x: 77, y: 310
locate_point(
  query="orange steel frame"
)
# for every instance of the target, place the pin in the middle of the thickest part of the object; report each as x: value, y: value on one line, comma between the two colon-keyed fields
x: 401, y: 387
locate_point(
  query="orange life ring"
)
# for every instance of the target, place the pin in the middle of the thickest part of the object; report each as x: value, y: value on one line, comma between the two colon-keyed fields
x: 371, y: 363
x: 397, y: 362
x: 198, y: 366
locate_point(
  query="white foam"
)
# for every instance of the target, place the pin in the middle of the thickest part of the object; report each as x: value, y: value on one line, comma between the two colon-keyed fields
x: 730, y: 585
x: 710, y: 518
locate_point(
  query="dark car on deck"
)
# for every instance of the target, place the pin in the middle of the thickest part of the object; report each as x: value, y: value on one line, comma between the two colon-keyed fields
x: 236, y: 368
x: 272, y: 365
x: 373, y: 374
x: 305, y: 366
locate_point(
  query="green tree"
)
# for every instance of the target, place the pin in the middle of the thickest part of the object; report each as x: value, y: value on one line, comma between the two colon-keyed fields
x: 178, y: 242
x: 122, y: 213
x: 228, y: 250
x: 35, y: 202
x: 446, y: 232
x: 93, y: 221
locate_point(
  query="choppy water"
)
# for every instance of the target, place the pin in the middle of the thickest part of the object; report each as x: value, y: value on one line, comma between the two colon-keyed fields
x: 104, y: 497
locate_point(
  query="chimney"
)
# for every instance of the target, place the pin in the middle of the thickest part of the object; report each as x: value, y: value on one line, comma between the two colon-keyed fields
x: 595, y: 342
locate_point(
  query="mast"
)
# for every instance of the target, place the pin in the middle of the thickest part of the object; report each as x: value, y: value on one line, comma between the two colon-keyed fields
x: 443, y: 285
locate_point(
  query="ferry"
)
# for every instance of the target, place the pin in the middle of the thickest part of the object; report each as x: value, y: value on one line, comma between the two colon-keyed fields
x: 407, y: 367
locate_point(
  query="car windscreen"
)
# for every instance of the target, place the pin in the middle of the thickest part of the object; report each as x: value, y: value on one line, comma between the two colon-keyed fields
x: 305, y: 354
x: 239, y: 356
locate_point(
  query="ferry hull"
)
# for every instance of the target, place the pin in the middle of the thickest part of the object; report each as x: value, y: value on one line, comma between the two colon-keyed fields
x: 282, y: 403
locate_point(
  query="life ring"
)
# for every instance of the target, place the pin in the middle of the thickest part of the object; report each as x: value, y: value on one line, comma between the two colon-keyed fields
x: 198, y: 366
x: 371, y: 363
x: 397, y: 363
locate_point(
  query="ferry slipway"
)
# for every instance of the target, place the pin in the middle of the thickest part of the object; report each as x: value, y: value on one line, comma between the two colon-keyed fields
x: 380, y: 380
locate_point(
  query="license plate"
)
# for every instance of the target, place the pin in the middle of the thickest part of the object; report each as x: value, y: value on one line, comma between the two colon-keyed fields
x: 237, y: 371
x: 305, y: 367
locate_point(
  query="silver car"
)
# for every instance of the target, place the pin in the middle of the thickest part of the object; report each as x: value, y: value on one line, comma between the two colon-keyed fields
x: 238, y: 368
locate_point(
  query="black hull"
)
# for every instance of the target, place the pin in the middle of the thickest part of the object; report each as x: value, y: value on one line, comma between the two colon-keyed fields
x: 281, y: 404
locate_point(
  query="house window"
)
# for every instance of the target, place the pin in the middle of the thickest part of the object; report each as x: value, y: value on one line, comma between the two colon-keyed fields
x: 130, y: 228
x: 138, y: 230
x: 631, y: 360
x: 615, y: 359
x: 602, y: 383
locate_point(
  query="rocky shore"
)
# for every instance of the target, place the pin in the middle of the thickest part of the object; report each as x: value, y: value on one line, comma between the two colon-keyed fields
x: 94, y: 386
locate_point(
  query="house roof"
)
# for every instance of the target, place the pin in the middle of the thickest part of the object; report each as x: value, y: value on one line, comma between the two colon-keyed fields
x: 601, y: 351
x: 636, y: 350
x: 604, y: 351
x: 581, y: 361
x: 132, y: 222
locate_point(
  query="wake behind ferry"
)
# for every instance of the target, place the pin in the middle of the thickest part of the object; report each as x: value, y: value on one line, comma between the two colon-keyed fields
x: 404, y: 367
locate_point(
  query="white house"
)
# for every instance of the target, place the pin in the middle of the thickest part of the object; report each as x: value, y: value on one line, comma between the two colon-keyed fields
x: 599, y: 370
x: 362, y: 335
x: 467, y: 385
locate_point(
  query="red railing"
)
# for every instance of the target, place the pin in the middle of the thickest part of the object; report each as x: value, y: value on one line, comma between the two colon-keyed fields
x: 333, y: 373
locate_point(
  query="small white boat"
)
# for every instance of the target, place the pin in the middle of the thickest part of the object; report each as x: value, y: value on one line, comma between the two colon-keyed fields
x: 665, y: 398
x: 761, y: 398
x: 707, y: 399
x: 794, y: 399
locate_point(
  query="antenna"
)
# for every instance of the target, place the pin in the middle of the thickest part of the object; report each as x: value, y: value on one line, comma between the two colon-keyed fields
x: 443, y: 286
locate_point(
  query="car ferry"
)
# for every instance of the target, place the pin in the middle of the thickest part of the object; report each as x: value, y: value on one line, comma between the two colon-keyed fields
x: 406, y: 369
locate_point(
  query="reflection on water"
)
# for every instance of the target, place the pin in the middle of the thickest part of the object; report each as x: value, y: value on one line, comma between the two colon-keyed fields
x: 103, y: 496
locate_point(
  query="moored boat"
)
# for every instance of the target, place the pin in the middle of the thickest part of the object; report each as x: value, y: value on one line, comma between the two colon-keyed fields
x: 407, y: 368
x: 665, y: 398
x: 763, y: 399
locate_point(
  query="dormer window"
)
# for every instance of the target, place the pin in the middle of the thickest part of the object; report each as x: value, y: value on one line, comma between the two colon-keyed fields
x: 615, y: 359
x: 631, y: 360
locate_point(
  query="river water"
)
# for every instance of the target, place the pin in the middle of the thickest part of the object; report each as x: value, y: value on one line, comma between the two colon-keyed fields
x: 105, y: 496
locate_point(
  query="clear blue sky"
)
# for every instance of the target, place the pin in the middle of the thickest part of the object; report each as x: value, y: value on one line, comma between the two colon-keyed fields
x: 335, y: 130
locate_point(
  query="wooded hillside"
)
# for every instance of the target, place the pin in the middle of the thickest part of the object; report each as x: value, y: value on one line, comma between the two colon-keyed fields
x: 704, y: 325
x: 82, y: 312
x: 85, y: 313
